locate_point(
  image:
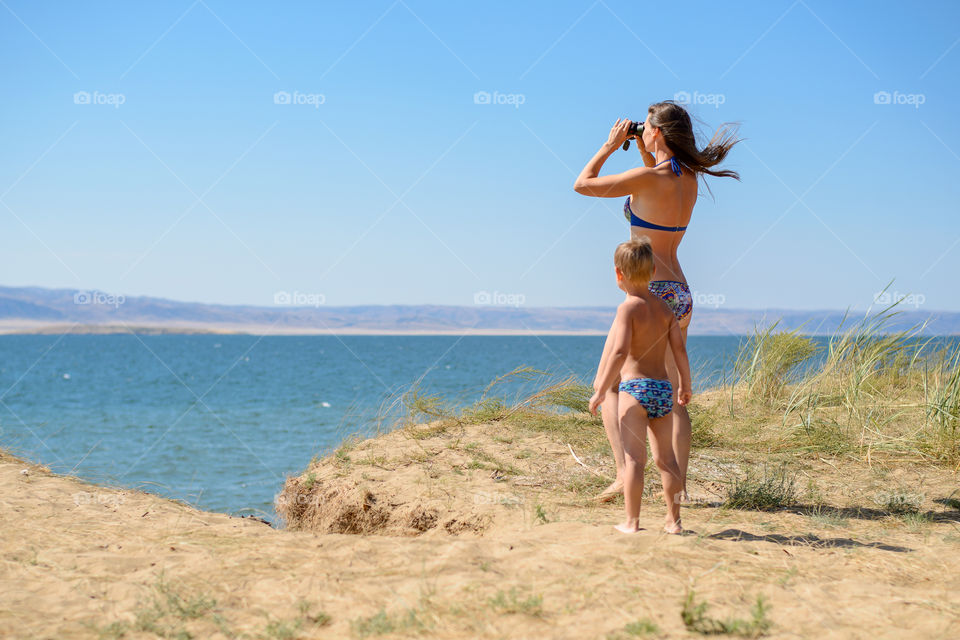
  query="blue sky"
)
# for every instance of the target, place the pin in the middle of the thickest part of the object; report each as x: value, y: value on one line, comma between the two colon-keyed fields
x: 146, y: 152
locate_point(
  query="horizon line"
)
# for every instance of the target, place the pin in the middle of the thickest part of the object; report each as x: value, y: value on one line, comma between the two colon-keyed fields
x: 279, y: 307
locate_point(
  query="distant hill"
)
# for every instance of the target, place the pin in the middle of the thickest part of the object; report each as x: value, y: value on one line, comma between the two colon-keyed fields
x: 40, y: 310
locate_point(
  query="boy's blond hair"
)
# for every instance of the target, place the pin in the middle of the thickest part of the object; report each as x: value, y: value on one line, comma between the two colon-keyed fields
x: 634, y: 258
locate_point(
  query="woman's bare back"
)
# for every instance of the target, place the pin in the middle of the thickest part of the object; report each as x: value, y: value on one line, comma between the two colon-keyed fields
x: 667, y: 201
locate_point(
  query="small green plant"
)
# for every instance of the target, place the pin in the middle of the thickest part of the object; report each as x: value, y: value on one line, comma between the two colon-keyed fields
x: 771, y: 489
x: 381, y: 623
x: 310, y: 481
x: 695, y: 618
x: 165, y: 612
x: 821, y: 435
x: 916, y: 521
x: 828, y: 517
x: 114, y: 630
x: 570, y: 394
x: 587, y: 485
x: 485, y: 410
x: 483, y: 460
x: 900, y: 502
x: 291, y: 629
x: 642, y: 627
x: 421, y: 405
x: 510, y: 602
x: 372, y: 460
x: 281, y: 630
x: 540, y: 513
x: 375, y: 625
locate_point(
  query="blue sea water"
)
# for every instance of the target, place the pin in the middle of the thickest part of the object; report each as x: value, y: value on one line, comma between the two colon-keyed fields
x: 219, y: 421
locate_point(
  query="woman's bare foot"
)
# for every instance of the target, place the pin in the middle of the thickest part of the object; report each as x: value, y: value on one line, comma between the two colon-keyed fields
x: 673, y: 528
x: 615, y: 489
x: 628, y: 527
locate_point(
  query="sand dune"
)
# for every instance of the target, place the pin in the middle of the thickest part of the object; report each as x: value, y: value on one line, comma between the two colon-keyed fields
x: 478, y: 532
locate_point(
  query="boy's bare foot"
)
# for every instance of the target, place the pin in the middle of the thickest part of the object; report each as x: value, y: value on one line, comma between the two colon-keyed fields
x: 626, y: 527
x: 615, y: 489
x: 673, y: 528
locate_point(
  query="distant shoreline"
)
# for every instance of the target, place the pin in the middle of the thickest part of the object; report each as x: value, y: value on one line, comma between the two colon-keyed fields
x: 35, y: 310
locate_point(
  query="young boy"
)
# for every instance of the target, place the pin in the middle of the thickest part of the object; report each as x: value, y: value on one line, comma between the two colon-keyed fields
x: 644, y: 327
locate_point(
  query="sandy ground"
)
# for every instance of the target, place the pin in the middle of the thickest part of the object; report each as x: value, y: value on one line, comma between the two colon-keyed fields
x: 541, y: 560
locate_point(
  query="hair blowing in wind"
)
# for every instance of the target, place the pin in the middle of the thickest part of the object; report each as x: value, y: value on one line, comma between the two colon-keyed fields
x: 677, y: 130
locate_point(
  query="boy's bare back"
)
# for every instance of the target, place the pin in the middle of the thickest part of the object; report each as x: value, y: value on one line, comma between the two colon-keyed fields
x: 651, y: 323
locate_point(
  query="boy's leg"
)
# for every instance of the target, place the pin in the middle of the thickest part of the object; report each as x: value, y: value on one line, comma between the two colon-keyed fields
x: 633, y: 434
x: 611, y: 420
x: 680, y: 418
x: 661, y: 435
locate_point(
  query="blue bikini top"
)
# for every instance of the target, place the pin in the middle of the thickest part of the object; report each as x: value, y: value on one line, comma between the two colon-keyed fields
x: 640, y: 222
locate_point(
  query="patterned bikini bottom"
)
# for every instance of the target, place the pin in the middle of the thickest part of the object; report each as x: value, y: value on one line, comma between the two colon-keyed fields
x: 676, y: 294
x: 656, y: 396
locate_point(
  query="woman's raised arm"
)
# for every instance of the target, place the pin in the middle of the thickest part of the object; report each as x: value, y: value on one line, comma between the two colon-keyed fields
x: 589, y: 182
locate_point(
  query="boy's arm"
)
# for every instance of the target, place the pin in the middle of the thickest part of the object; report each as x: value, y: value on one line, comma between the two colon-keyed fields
x: 613, y: 362
x: 683, y: 363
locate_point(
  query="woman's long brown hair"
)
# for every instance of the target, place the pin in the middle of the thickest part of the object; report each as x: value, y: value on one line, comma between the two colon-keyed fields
x: 674, y: 123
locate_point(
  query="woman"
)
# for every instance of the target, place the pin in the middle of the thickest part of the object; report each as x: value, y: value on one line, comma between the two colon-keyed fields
x: 659, y: 204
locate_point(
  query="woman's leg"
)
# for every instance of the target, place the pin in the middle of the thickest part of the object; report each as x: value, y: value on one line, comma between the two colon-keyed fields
x: 611, y: 419
x: 681, y: 419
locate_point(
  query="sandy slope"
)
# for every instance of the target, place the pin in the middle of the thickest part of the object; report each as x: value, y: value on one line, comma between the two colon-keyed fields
x: 81, y: 561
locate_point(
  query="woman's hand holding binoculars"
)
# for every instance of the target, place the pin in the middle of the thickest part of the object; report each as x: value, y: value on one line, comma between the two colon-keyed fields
x: 623, y: 131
